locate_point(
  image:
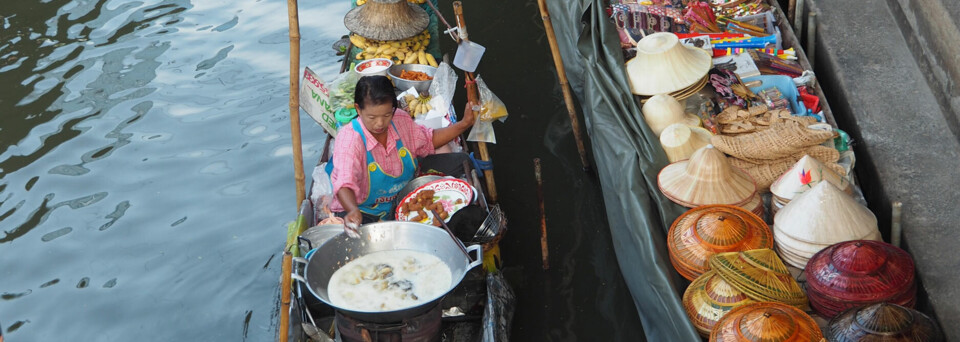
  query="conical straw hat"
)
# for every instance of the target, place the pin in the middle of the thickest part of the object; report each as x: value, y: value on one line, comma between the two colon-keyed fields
x: 704, y: 231
x: 663, y: 65
x: 883, y: 322
x: 387, y: 20
x: 803, y: 176
x: 679, y: 141
x: 761, y: 275
x: 706, y: 178
x: 797, y: 253
x: 663, y: 110
x: 709, y: 298
x: 824, y: 216
x: 766, y: 322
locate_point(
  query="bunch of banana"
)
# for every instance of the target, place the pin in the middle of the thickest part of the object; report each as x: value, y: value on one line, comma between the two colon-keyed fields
x: 361, y: 2
x: 417, y: 105
x: 406, y: 51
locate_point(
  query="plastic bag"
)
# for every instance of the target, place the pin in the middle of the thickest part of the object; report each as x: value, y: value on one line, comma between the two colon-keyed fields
x: 491, y: 108
x: 342, y: 89
x: 498, y: 313
x: 321, y: 193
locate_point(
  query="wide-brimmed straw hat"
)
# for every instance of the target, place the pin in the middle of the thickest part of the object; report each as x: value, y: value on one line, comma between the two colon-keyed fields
x: 663, y: 65
x: 387, y: 20
x: 706, y: 178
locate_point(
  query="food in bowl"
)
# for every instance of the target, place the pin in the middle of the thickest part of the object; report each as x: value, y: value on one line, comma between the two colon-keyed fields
x: 414, y: 75
x: 388, y: 281
x: 376, y: 66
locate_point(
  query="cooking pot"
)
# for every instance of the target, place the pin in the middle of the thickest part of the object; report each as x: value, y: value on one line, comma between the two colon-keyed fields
x: 386, y: 236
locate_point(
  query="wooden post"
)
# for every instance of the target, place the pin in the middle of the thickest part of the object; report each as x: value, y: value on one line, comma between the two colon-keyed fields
x: 562, y: 74
x: 474, y: 96
x: 286, y: 268
x: 544, y: 251
x: 295, y: 100
x: 812, y: 38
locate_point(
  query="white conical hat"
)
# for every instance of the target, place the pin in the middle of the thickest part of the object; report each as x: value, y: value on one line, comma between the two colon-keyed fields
x: 803, y: 176
x: 663, y: 110
x: 679, y: 141
x: 825, y: 215
x: 663, y: 65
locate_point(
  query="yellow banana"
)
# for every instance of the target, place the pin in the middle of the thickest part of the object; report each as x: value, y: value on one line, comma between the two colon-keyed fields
x: 382, y: 48
x: 411, y: 58
x: 400, y: 56
x: 358, y: 41
x: 359, y: 56
x: 431, y: 60
x: 370, y: 49
x: 390, y: 50
x: 422, y: 58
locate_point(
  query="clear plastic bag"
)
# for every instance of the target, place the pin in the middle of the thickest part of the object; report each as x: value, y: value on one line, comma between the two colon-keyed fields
x: 491, y: 108
x: 342, y: 89
x: 321, y: 193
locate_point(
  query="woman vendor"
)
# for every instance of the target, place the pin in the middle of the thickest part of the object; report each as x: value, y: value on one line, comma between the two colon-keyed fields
x: 375, y: 155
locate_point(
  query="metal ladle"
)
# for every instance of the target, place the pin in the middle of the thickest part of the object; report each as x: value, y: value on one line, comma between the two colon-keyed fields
x: 452, y: 236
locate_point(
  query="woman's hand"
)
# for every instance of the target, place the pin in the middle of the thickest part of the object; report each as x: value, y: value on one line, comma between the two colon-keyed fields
x: 351, y: 222
x: 469, y: 116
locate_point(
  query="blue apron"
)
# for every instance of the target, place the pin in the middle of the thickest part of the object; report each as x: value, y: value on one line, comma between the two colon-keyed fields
x: 383, y: 187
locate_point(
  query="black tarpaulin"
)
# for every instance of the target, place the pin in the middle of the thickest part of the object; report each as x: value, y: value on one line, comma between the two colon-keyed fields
x: 628, y: 158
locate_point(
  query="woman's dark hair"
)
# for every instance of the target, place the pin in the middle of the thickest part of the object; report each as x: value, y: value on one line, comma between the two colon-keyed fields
x: 374, y: 90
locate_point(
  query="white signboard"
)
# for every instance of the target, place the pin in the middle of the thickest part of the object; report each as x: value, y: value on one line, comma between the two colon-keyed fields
x: 315, y: 100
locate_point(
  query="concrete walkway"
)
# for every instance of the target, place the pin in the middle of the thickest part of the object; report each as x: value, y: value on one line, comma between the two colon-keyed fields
x: 889, y: 68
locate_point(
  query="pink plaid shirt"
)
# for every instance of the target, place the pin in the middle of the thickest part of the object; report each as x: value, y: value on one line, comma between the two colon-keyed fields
x: 350, y: 159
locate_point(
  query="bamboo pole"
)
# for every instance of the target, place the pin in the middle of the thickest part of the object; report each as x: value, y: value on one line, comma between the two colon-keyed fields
x: 564, y: 86
x: 285, y: 295
x: 292, y: 13
x: 295, y: 100
x: 474, y: 96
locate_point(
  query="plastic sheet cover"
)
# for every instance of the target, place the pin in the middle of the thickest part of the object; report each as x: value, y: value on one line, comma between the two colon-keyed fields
x: 628, y: 158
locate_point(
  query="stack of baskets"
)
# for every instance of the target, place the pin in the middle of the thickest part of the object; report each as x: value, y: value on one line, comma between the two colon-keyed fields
x: 856, y: 273
x: 817, y: 219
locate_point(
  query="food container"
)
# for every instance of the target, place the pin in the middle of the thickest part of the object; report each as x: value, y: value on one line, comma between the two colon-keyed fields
x: 404, y: 84
x: 372, y: 67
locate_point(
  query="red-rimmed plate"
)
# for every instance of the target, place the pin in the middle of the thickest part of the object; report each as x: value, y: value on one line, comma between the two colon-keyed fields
x: 453, y: 193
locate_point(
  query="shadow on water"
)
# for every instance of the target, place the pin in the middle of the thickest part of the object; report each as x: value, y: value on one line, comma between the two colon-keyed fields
x: 145, y: 160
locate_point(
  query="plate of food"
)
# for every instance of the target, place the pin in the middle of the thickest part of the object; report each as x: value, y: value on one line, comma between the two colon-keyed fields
x: 446, y: 196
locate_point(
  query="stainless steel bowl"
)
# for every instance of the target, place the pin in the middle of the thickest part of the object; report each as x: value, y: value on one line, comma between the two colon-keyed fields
x: 385, y: 236
x: 403, y: 85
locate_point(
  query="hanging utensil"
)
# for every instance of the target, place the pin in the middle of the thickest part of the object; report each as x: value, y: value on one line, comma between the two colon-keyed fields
x: 452, y: 236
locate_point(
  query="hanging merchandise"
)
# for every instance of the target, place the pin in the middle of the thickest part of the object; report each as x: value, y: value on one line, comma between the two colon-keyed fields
x: 490, y: 109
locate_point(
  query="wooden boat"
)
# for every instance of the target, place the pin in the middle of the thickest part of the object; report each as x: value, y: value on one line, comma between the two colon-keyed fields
x: 478, y: 305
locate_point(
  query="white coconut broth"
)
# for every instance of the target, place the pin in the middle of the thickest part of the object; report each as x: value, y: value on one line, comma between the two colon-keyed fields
x: 389, y: 281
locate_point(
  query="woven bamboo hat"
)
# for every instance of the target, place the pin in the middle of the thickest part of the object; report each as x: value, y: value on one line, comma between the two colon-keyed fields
x: 709, y: 298
x: 819, y: 218
x: 706, y: 178
x: 679, y: 141
x: 387, y: 20
x: 662, y: 110
x: 663, y: 65
x: 883, y: 322
x: 761, y: 275
x: 767, y: 322
x: 803, y: 176
x: 701, y: 232
x: 859, y: 272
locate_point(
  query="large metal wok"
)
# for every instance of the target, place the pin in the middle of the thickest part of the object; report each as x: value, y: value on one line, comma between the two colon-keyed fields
x: 384, y: 236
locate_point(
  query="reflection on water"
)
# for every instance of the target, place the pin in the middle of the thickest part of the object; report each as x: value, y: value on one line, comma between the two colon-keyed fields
x: 142, y: 172
x: 146, y: 182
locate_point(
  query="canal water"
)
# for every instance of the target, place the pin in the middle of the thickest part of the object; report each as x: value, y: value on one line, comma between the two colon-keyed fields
x: 146, y: 179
